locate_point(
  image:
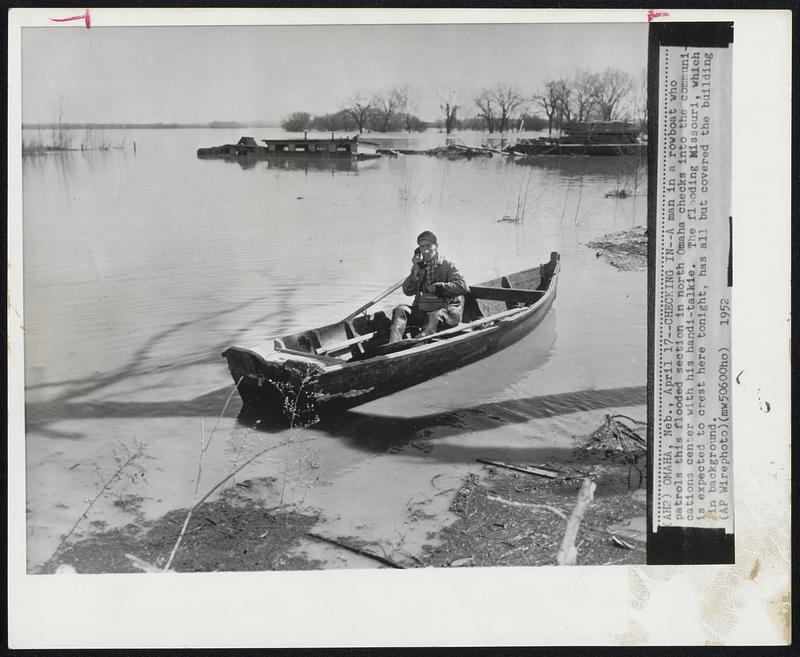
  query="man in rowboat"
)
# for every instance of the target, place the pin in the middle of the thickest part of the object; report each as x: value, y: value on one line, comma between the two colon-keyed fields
x: 438, y: 290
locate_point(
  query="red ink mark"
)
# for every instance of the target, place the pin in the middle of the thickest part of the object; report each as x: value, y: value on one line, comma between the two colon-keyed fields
x: 84, y: 17
x: 655, y: 14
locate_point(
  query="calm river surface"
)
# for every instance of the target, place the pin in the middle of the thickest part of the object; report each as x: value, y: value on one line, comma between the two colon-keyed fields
x: 141, y: 266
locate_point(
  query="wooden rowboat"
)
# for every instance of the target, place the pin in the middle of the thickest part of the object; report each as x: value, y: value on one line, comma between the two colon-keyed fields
x: 305, y: 375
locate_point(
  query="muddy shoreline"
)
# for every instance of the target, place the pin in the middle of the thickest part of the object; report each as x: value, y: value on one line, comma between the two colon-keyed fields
x: 503, y: 517
x: 625, y: 250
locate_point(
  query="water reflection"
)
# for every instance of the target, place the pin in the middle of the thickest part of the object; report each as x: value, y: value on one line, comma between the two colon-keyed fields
x: 50, y: 402
x: 296, y: 163
x: 597, y: 165
x: 300, y: 163
x: 42, y: 415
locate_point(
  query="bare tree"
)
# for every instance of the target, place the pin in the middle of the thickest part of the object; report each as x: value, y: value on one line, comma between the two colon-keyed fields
x: 638, y: 112
x: 507, y: 100
x: 360, y: 110
x: 554, y: 99
x: 581, y: 98
x: 388, y: 107
x: 485, y: 108
x: 564, y: 92
x: 448, y: 102
x: 401, y: 97
x: 609, y: 91
x: 410, y: 102
x: 550, y: 99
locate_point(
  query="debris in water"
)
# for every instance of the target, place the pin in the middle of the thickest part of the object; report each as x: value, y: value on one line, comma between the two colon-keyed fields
x: 451, y: 151
x: 618, y: 193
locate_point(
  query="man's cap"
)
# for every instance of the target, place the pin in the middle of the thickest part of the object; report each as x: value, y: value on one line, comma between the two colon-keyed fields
x: 427, y: 235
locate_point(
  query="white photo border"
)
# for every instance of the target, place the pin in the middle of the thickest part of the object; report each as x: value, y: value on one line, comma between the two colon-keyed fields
x: 747, y: 603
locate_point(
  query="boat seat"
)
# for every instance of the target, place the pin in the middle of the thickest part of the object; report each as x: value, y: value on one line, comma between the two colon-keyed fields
x: 340, y: 340
x: 327, y: 336
x: 357, y: 340
x: 524, y: 280
x: 491, y: 307
x: 329, y: 360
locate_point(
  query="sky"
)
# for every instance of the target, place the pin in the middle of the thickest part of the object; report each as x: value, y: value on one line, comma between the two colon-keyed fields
x: 240, y: 73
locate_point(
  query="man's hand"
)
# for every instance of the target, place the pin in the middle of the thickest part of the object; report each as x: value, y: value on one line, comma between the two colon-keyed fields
x: 437, y: 289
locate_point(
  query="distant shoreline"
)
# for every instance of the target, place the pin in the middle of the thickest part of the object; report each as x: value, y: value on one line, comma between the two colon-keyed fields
x: 134, y: 126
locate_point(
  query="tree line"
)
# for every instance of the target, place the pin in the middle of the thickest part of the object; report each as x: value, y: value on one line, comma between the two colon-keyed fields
x: 390, y: 111
x: 609, y: 95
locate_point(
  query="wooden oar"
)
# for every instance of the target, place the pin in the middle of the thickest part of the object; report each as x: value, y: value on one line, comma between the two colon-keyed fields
x: 375, y: 300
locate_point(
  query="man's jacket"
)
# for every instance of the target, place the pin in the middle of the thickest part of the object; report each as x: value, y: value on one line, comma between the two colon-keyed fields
x: 439, y: 285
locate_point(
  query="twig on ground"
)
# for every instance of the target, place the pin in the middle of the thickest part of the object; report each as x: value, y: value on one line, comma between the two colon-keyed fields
x: 449, y: 490
x: 614, y: 434
x: 216, y: 487
x: 627, y: 417
x: 362, y: 552
x: 204, y: 445
x: 139, y: 451
x: 143, y: 565
x: 511, y: 551
x: 541, y: 472
x: 568, y: 553
x: 527, y: 505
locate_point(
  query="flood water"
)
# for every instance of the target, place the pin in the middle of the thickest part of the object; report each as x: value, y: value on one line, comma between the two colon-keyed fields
x: 142, y: 265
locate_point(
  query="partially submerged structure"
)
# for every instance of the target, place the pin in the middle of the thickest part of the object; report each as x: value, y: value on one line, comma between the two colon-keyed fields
x: 335, y: 147
x: 590, y: 138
